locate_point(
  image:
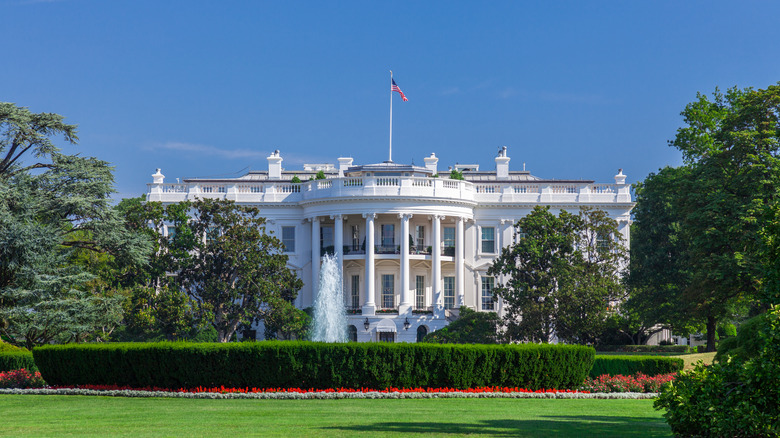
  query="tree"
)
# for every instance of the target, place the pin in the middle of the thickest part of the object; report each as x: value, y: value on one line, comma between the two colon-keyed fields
x: 235, y: 271
x: 471, y: 327
x: 46, y: 218
x: 659, y: 270
x: 731, y: 146
x: 560, y: 276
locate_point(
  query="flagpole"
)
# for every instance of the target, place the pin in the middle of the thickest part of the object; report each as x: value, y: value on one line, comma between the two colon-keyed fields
x: 391, y: 117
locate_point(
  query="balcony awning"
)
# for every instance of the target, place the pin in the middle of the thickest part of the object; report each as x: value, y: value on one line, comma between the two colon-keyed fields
x: 385, y: 326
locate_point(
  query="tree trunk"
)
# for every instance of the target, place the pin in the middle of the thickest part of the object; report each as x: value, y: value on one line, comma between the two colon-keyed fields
x: 711, y: 331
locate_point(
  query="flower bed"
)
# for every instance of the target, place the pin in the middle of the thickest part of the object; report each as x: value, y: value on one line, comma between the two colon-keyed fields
x: 635, y: 383
x: 21, y: 379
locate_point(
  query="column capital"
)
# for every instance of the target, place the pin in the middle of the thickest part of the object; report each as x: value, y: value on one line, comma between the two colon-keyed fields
x: 504, y: 221
x: 405, y: 215
x: 369, y: 215
x: 338, y: 216
x: 437, y: 217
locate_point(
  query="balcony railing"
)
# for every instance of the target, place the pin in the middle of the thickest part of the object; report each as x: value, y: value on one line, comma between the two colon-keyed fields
x: 417, y: 187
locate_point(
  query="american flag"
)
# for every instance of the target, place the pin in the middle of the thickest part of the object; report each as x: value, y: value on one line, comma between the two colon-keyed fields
x: 394, y: 87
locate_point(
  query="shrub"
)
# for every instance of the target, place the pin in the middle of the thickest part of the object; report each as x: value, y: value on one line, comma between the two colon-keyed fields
x: 4, y: 347
x: 635, y: 383
x: 746, y: 344
x: 21, y: 379
x: 628, y: 365
x: 294, y: 364
x: 739, y: 397
x: 17, y: 359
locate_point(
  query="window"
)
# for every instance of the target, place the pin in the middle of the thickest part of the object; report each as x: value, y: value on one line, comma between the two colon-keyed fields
x: 386, y: 337
x: 388, y: 291
x: 419, y: 292
x: 449, y: 292
x: 520, y: 234
x: 388, y: 235
x: 421, y: 332
x: 488, y: 240
x: 352, y: 333
x: 288, y: 239
x: 355, y: 238
x: 449, y: 237
x: 419, y: 237
x: 487, y: 293
x: 355, y: 291
x: 326, y: 240
x: 602, y: 242
x: 212, y: 234
x: 171, y: 233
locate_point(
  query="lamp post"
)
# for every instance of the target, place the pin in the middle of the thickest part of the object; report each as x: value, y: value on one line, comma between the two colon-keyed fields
x: 407, y: 324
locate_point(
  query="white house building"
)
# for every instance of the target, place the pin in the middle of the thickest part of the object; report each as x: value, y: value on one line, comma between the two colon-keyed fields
x: 413, y: 247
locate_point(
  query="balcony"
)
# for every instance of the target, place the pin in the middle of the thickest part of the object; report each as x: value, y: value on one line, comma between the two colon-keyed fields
x: 415, y: 187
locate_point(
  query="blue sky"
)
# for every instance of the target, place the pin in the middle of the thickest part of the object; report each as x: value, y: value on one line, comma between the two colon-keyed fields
x: 575, y: 89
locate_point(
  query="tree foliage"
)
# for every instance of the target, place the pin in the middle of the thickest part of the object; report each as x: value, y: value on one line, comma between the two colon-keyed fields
x: 560, y: 276
x: 471, y: 327
x: 49, y: 212
x: 234, y: 270
x: 710, y: 214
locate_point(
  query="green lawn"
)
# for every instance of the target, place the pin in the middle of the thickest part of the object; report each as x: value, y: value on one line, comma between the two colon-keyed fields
x: 33, y: 415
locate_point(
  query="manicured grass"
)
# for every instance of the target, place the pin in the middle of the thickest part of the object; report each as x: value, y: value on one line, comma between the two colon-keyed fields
x: 691, y: 359
x: 32, y: 415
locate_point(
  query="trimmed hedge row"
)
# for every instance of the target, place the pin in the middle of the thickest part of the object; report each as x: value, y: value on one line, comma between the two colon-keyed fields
x: 630, y: 365
x: 287, y: 364
x: 644, y: 348
x: 16, y: 360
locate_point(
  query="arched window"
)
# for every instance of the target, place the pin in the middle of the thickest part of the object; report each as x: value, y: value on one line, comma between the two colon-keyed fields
x: 421, y: 332
x: 352, y: 333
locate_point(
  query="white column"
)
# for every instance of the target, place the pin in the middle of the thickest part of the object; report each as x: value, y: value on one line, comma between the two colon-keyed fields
x: 369, y: 307
x: 315, y: 258
x: 438, y: 299
x: 406, y: 302
x: 338, y: 230
x: 459, y: 286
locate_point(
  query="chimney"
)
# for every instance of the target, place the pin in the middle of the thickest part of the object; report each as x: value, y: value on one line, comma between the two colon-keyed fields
x: 344, y: 163
x: 620, y: 178
x: 502, y: 164
x: 158, y: 178
x: 431, y: 163
x: 275, y: 165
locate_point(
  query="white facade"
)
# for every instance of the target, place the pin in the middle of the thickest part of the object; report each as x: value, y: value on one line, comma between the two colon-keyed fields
x: 395, y: 228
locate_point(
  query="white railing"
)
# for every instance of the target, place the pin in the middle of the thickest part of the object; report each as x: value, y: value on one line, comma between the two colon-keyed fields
x: 439, y: 188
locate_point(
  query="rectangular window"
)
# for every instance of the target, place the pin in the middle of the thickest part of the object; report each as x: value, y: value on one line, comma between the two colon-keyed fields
x: 355, y: 238
x: 388, y: 235
x: 326, y: 240
x: 386, y: 337
x: 449, y: 241
x: 419, y: 237
x: 488, y: 240
x: 487, y: 293
x: 388, y: 291
x: 449, y: 292
x: 288, y: 239
x: 171, y: 233
x: 355, y: 291
x: 602, y: 242
x: 419, y: 292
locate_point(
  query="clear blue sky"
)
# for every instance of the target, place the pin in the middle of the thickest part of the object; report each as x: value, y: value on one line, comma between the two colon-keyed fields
x: 575, y: 89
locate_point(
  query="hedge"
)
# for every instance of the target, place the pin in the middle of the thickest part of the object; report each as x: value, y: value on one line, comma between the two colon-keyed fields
x: 288, y: 364
x: 644, y: 348
x: 629, y: 365
x: 16, y: 360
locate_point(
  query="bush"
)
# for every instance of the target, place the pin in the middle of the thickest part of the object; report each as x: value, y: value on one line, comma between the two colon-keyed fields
x: 4, y: 347
x: 746, y: 344
x: 21, y: 379
x: 298, y: 364
x: 636, y: 383
x: 644, y: 348
x: 15, y: 360
x: 739, y: 397
x: 629, y: 365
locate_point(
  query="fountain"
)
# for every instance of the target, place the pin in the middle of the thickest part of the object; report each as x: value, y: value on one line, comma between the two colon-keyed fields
x: 330, y: 320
